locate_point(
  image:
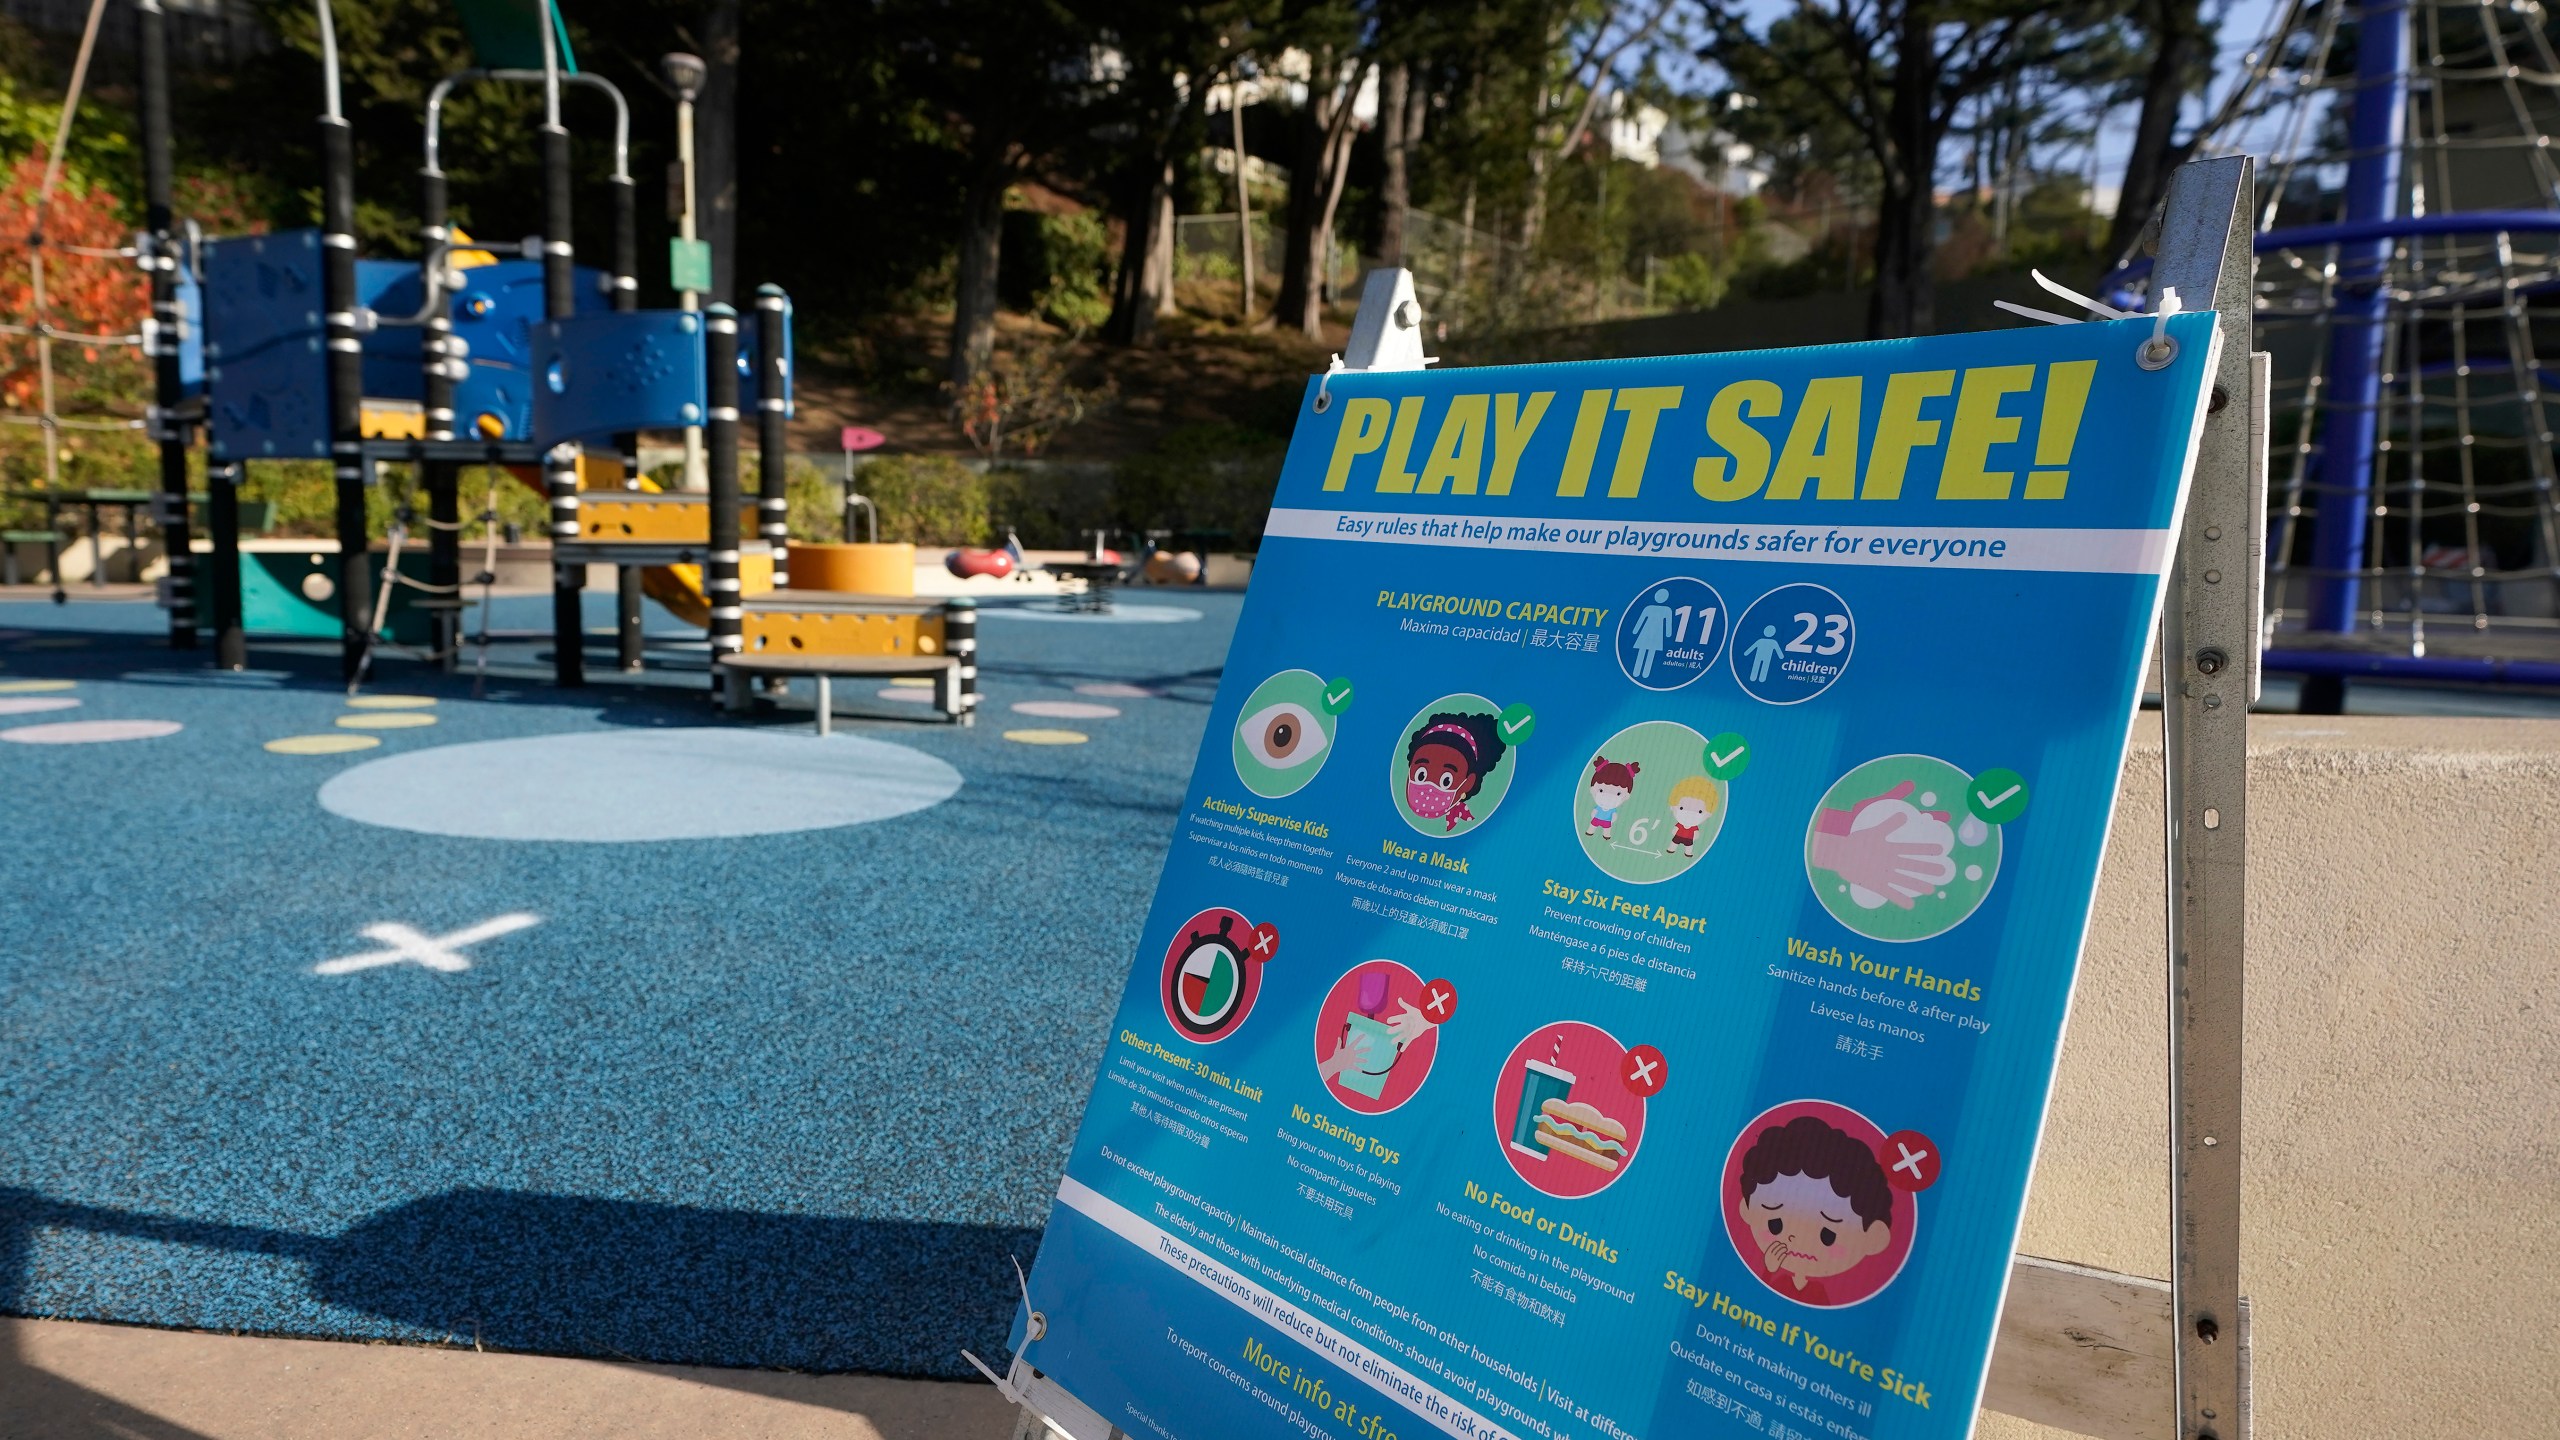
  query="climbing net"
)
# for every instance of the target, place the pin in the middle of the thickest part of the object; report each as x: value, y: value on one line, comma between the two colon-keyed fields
x: 2408, y: 265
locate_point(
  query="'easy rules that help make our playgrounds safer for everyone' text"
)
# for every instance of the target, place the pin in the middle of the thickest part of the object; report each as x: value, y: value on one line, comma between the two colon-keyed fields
x: 1609, y: 968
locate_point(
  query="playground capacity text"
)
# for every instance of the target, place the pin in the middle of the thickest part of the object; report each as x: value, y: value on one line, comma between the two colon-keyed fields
x: 1761, y: 439
x: 1487, y: 607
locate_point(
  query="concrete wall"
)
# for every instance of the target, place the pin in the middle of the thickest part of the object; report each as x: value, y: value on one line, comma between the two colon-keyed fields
x: 2402, y: 1161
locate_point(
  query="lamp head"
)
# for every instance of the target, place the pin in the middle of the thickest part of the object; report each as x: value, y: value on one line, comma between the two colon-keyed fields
x: 685, y: 72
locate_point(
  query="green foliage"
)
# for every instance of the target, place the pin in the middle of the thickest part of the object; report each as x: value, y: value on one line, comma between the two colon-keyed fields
x: 1202, y: 479
x: 1057, y: 266
x: 928, y: 500
x: 1052, y: 507
x: 1691, y: 282
x: 1198, y: 479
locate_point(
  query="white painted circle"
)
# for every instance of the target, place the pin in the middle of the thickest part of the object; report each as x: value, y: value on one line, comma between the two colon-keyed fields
x: 1065, y: 710
x: 1116, y: 615
x: 33, y: 704
x: 1115, y: 690
x: 626, y: 785
x: 90, y: 732
x: 906, y: 696
x: 317, y: 587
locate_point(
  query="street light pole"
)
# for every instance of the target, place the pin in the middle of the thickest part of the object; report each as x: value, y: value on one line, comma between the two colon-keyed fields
x: 686, y: 73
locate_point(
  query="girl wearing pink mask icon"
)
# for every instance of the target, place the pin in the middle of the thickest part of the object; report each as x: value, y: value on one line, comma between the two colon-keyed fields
x: 1446, y: 762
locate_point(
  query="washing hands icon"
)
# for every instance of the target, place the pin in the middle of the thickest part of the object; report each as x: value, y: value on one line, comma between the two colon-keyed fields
x: 1886, y: 848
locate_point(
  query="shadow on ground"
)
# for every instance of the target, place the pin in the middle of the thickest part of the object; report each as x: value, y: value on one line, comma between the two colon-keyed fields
x: 553, y: 1274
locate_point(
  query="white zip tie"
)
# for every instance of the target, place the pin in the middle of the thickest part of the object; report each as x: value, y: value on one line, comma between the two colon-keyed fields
x: 2099, y: 308
x: 1324, y: 396
x: 2159, y: 350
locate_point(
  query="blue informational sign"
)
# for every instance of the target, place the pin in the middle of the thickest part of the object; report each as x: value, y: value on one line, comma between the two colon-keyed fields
x: 1570, y: 1010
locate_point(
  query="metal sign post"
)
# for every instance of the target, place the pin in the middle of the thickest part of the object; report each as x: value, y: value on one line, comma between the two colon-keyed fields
x: 2209, y: 659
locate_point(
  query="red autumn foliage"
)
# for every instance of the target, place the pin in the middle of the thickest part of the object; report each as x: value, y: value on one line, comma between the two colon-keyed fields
x: 84, y: 294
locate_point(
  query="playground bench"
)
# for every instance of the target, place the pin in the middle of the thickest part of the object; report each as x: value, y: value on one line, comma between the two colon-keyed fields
x: 943, y: 670
x: 10, y: 540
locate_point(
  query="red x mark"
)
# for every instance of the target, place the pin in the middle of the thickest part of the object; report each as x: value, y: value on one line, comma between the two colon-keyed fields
x: 1644, y: 1071
x: 1910, y: 1160
x: 1266, y: 941
x: 1439, y: 1002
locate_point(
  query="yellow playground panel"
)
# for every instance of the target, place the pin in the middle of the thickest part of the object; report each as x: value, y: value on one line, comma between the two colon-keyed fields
x: 788, y: 622
x: 605, y: 516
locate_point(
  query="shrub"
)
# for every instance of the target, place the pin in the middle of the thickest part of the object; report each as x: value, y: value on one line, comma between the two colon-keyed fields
x: 927, y: 499
x: 1202, y: 480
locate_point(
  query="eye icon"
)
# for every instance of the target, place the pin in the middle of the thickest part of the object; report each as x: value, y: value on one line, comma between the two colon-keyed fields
x: 1287, y: 732
x: 1283, y: 736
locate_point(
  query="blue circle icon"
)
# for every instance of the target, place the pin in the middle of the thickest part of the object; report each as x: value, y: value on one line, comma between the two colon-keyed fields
x: 1671, y: 632
x: 1792, y: 643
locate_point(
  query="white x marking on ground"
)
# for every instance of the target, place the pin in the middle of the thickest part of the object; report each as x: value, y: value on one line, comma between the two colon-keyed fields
x: 1910, y: 1159
x: 440, y: 952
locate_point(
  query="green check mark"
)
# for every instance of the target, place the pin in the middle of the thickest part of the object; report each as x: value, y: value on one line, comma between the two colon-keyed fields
x: 1337, y: 696
x: 1516, y: 723
x: 1727, y: 756
x: 1998, y: 796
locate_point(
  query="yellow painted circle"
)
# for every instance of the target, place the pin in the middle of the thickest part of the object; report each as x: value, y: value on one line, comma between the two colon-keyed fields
x: 391, y: 702
x: 322, y: 744
x: 1047, y: 737
x: 32, y: 687
x: 394, y: 720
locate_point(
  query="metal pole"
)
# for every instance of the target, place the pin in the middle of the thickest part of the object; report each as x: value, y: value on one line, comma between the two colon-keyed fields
x: 559, y: 302
x: 2376, y: 129
x: 2209, y: 658
x: 629, y: 646
x: 167, y: 329
x: 773, y: 408
x: 720, y: 573
x: 346, y: 362
x: 222, y: 513
x: 443, y: 370
x: 688, y: 299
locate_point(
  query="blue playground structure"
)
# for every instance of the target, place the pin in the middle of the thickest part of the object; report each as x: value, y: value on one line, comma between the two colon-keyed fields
x: 2408, y: 262
x: 291, y: 346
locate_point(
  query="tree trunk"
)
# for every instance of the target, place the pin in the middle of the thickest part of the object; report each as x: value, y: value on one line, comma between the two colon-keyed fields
x: 1904, y: 300
x: 715, y: 131
x: 1244, y: 204
x: 1161, y: 255
x: 1142, y: 288
x: 1394, y: 188
x: 1533, y: 206
x: 2177, y: 33
x: 973, y: 311
x: 1300, y: 305
x: 1323, y: 162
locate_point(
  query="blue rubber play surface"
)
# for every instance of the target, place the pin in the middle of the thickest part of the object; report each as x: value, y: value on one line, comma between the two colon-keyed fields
x: 588, y: 1022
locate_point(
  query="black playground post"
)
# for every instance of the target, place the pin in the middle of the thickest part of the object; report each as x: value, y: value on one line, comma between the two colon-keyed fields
x: 560, y: 464
x: 720, y: 576
x: 773, y: 501
x: 443, y: 478
x: 222, y: 489
x: 629, y: 648
x: 168, y: 321
x: 346, y: 375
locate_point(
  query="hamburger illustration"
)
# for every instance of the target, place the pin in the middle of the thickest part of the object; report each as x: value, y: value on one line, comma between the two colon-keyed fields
x: 1567, y: 1128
